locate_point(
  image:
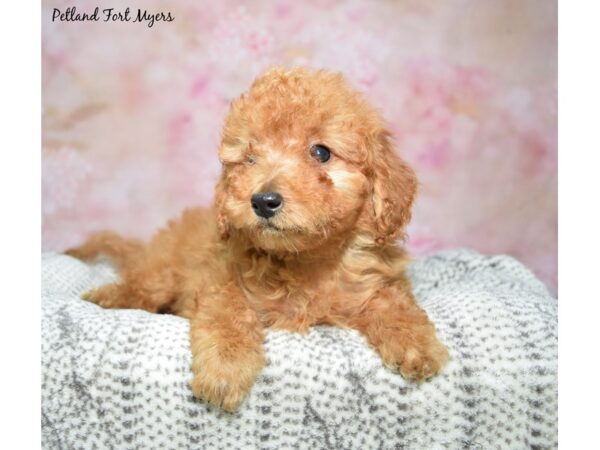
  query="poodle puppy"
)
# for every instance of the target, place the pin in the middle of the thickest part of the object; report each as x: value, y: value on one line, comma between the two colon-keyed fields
x: 310, y: 203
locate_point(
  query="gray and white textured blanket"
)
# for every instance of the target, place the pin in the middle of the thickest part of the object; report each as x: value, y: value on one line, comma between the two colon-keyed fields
x: 119, y: 378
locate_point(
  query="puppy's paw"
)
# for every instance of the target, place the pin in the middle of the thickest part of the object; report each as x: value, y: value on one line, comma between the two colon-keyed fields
x: 106, y: 296
x: 79, y: 253
x: 421, y: 363
x: 225, y: 384
x: 416, y: 359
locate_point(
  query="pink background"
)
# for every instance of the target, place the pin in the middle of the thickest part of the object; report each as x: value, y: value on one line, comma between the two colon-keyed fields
x: 132, y: 115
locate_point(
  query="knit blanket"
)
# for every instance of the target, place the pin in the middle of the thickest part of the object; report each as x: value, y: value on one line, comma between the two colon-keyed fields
x: 119, y: 378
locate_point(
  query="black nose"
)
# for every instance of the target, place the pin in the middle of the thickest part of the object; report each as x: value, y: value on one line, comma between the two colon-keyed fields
x: 266, y: 204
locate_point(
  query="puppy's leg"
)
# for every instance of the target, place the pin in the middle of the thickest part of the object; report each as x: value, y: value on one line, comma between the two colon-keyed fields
x: 147, y: 279
x: 151, y: 288
x: 402, y: 333
x: 227, y: 351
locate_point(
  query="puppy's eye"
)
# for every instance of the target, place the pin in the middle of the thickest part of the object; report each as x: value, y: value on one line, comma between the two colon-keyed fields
x: 320, y: 153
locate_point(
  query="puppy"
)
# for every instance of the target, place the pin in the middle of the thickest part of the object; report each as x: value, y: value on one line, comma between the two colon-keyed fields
x: 308, y: 208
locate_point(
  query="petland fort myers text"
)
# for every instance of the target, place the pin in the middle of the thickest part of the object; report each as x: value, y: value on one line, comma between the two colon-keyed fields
x: 111, y: 15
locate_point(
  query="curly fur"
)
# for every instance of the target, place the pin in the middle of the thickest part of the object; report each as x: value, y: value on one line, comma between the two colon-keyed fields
x: 328, y: 257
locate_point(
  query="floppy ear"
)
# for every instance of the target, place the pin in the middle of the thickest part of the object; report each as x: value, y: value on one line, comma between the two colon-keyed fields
x: 394, y: 186
x: 222, y: 222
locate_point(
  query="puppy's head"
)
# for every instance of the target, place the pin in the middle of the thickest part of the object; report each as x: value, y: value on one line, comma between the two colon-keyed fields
x: 306, y: 162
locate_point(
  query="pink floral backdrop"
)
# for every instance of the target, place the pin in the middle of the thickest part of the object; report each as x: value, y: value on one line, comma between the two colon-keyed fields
x: 132, y: 114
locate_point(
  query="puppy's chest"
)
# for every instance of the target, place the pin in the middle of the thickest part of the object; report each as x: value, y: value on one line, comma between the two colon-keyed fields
x: 295, y: 300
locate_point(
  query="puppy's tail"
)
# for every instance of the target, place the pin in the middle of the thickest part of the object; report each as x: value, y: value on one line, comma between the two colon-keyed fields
x: 118, y: 249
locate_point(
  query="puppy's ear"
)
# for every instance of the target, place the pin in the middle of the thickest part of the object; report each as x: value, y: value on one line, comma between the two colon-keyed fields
x: 394, y: 186
x: 222, y: 222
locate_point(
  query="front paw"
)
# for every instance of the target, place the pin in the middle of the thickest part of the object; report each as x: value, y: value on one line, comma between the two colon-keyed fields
x: 416, y: 357
x: 225, y: 384
x: 107, y: 296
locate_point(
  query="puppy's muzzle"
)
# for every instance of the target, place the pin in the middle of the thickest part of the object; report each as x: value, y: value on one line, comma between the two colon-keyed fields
x: 266, y: 204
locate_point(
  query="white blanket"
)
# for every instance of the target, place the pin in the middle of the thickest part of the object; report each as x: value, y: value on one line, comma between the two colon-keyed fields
x: 119, y: 378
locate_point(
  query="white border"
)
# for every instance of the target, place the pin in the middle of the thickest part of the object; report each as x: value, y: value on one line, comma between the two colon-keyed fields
x: 579, y: 223
x: 20, y: 229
